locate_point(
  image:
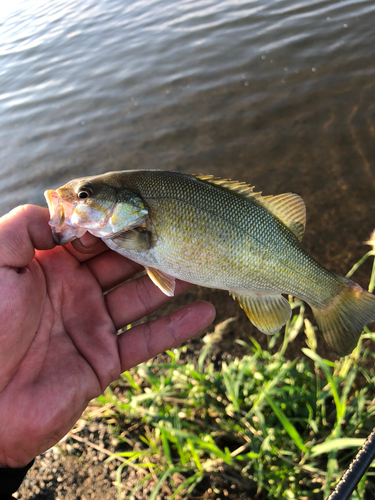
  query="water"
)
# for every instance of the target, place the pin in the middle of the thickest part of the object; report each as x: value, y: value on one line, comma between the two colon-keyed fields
x: 278, y: 93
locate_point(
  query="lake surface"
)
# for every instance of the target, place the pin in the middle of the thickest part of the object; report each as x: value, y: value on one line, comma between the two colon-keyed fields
x: 277, y: 93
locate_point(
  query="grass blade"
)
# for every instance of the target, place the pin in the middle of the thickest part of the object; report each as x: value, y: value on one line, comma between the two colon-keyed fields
x: 336, y: 445
x: 287, y: 424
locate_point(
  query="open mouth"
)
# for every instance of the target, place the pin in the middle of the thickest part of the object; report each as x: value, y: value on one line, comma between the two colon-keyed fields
x: 62, y: 231
x: 56, y: 208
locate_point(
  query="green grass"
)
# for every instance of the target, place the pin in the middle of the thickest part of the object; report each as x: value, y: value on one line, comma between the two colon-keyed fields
x: 272, y: 427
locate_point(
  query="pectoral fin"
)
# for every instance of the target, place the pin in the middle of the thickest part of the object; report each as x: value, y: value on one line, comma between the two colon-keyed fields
x: 165, y: 282
x: 133, y: 240
x: 267, y: 312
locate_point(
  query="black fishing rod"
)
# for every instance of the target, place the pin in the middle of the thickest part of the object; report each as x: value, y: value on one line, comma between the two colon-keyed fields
x: 355, y: 471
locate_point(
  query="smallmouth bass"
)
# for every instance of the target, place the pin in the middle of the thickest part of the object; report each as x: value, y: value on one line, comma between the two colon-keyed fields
x: 215, y: 233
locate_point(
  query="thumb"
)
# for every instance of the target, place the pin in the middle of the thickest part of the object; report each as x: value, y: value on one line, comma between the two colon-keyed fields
x: 23, y: 230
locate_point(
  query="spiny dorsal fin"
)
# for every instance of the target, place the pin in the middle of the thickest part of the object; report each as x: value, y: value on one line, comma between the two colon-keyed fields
x: 236, y: 186
x: 288, y: 207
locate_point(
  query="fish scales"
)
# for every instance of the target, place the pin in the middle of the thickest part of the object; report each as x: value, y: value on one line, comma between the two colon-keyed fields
x: 217, y: 233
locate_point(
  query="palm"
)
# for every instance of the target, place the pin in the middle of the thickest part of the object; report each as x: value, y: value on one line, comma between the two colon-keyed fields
x: 59, y: 347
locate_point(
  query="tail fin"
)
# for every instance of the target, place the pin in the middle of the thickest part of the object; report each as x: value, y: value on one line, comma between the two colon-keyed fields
x: 342, y: 321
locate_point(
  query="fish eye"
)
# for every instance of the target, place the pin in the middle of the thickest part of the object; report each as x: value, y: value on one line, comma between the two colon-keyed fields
x: 84, y: 192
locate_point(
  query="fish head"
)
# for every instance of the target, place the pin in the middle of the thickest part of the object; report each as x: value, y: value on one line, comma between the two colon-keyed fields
x: 93, y: 205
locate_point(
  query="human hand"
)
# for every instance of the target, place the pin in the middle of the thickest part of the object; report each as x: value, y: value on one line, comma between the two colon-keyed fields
x: 58, y: 342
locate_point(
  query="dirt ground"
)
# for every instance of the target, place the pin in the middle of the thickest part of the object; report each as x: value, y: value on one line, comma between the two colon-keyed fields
x: 76, y: 469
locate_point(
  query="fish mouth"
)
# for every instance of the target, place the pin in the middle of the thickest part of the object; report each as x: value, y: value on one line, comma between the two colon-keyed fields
x: 55, y: 207
x: 62, y: 231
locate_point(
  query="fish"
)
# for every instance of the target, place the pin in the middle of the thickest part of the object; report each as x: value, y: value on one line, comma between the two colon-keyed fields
x: 216, y: 233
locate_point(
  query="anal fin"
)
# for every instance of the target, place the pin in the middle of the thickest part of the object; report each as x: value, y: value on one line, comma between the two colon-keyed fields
x: 162, y: 280
x: 267, y: 312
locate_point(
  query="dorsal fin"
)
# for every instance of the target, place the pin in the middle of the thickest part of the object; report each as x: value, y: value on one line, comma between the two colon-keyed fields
x: 288, y: 207
x: 236, y: 186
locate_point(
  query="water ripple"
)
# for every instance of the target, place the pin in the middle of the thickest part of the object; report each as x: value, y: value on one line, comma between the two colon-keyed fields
x: 196, y: 85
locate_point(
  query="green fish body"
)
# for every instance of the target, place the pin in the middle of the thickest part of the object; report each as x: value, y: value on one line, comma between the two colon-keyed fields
x: 215, y: 233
